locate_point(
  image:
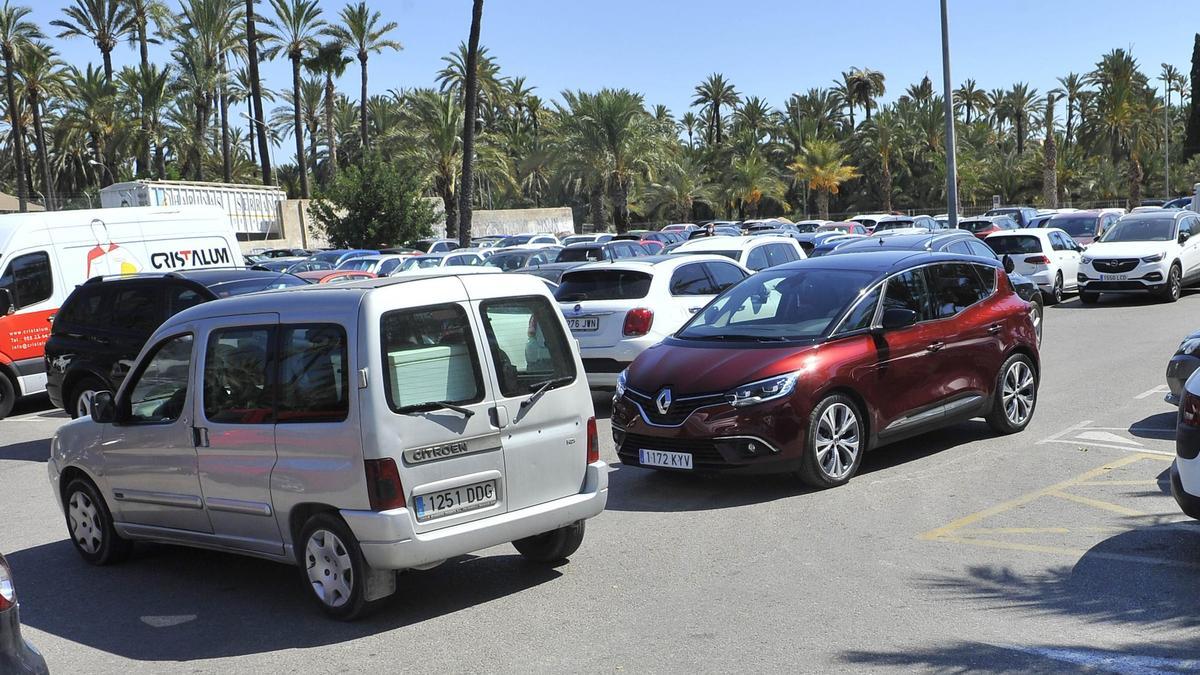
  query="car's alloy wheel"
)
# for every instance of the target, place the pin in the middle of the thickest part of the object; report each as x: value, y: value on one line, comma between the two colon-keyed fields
x: 82, y: 516
x: 1056, y: 295
x: 329, y: 568
x: 838, y: 441
x: 1174, y: 285
x: 1035, y: 314
x: 1018, y: 393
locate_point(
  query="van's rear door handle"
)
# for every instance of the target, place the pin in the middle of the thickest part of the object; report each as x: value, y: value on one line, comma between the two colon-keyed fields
x: 935, y: 346
x: 995, y: 328
x: 200, y: 437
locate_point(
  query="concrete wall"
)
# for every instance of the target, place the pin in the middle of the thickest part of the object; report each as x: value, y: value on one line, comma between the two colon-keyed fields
x: 297, y: 230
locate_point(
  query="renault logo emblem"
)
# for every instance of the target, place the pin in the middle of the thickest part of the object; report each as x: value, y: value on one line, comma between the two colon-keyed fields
x: 663, y: 401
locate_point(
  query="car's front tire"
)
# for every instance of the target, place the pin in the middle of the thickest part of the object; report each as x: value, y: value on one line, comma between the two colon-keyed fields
x: 553, y: 546
x: 1171, y: 290
x: 1055, y: 294
x: 1014, y: 397
x: 834, y: 444
x: 90, y: 524
x: 332, y: 567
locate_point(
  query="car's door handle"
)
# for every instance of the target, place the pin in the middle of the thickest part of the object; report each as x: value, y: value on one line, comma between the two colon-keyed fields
x: 200, y: 437
x: 995, y: 328
x: 935, y: 346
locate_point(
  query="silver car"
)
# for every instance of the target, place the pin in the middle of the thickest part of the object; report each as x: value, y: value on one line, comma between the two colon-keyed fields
x: 351, y: 430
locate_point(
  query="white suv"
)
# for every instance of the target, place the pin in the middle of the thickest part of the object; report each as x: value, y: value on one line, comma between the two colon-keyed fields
x: 1155, y: 252
x: 755, y: 253
x: 618, y: 310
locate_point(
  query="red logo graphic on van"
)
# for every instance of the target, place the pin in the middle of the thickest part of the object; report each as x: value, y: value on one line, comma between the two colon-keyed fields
x: 111, y: 259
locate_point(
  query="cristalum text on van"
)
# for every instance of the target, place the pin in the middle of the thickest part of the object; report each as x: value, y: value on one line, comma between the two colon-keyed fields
x: 195, y: 258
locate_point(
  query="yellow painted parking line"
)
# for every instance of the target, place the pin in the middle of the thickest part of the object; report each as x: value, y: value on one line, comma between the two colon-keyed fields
x: 1038, y: 530
x: 1149, y: 482
x: 1097, y: 503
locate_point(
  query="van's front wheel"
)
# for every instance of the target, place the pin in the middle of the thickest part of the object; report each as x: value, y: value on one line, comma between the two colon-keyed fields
x: 333, y: 567
x: 552, y: 546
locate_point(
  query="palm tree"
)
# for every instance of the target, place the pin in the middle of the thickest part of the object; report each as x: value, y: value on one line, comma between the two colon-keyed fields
x: 470, y: 104
x: 256, y: 93
x: 296, y: 25
x: 752, y: 179
x: 678, y: 193
x: 825, y: 168
x: 1072, y: 85
x: 865, y: 86
x: 690, y: 123
x: 435, y: 122
x: 711, y: 94
x: 151, y: 87
x: 844, y: 90
x: 1019, y: 106
x: 329, y: 62
x: 104, y: 22
x: 969, y: 98
x: 142, y: 12
x: 42, y: 77
x: 361, y: 31
x: 210, y: 30
x: 16, y: 35
x: 883, y: 136
x: 1049, y: 159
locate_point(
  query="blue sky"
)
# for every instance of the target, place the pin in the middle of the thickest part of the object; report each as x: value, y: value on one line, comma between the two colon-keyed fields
x: 769, y: 48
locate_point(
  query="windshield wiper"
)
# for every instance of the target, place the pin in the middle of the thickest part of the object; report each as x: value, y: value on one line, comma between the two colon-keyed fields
x: 465, y: 412
x: 541, y: 389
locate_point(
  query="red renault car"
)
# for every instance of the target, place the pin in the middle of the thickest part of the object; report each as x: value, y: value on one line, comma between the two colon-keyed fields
x: 806, y: 366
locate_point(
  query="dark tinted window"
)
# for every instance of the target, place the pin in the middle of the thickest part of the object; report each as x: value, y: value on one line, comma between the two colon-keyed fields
x: 159, y: 393
x: 724, y: 276
x: 978, y: 248
x: 987, y: 277
x: 909, y: 291
x: 862, y: 315
x: 429, y: 358
x: 84, y: 309
x: 180, y: 298
x: 691, y: 280
x: 581, y: 254
x: 28, y: 279
x: 959, y: 247
x: 1014, y: 245
x: 975, y: 225
x: 137, y: 309
x: 314, y: 382
x: 955, y: 287
x: 603, y: 285
x: 780, y: 254
x: 236, y: 377
x: 757, y: 260
x: 527, y: 343
x: 1076, y: 226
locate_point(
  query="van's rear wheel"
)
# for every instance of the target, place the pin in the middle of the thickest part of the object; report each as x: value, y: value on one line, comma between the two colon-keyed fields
x: 8, y: 396
x: 552, y: 546
x: 82, y: 393
x: 333, y: 566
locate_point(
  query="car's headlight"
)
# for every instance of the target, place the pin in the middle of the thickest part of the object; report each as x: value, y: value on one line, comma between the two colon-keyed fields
x: 1086, y: 260
x: 1189, y: 346
x: 1154, y: 258
x: 762, y: 391
x: 621, y: 378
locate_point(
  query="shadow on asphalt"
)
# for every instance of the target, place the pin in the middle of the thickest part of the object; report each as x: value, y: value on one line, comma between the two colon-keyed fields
x: 1159, y: 426
x: 1120, y: 300
x: 178, y: 604
x: 1148, y: 577
x: 27, y: 451
x: 632, y: 488
x: 33, y: 404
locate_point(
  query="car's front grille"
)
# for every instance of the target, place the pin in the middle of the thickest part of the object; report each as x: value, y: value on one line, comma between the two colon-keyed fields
x: 1115, y: 265
x: 703, y: 451
x: 679, y: 410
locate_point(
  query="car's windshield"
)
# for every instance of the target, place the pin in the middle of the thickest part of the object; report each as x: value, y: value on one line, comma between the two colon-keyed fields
x: 603, y: 285
x: 508, y: 261
x: 243, y: 286
x: 781, y: 305
x: 581, y: 254
x: 1014, y: 245
x: 1076, y: 226
x: 515, y: 241
x: 1141, y: 229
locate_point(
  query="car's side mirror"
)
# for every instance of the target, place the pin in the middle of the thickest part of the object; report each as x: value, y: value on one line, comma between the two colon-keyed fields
x: 104, y: 408
x: 896, y: 318
x: 1184, y: 236
x: 1009, y: 266
x: 6, y: 303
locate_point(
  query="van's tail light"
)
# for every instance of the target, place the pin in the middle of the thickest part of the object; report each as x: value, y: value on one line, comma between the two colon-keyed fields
x: 8, y: 593
x: 383, y: 484
x: 1189, y: 409
x: 593, y: 441
x: 1037, y: 260
x: 638, y: 322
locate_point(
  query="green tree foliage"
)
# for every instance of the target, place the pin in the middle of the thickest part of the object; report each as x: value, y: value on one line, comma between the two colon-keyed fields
x: 375, y: 205
x: 1191, y: 144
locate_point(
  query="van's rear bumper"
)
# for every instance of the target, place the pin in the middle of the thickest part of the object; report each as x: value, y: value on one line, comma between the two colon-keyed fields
x: 388, y: 541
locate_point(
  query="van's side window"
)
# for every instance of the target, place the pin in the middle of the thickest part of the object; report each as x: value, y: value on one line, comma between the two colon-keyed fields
x: 527, y: 343
x: 314, y: 379
x: 28, y: 279
x: 160, y: 393
x: 237, y: 370
x: 429, y: 357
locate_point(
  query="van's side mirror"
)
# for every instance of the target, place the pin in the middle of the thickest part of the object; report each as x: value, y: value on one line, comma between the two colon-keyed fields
x: 896, y: 318
x: 104, y: 409
x: 1184, y: 236
x: 1009, y: 266
x: 6, y: 303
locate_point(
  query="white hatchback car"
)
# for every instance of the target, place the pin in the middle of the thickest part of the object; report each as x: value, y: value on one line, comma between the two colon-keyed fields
x: 617, y: 310
x: 1156, y: 252
x: 1048, y: 256
x: 448, y: 259
x: 379, y: 265
x: 351, y: 430
x: 755, y: 253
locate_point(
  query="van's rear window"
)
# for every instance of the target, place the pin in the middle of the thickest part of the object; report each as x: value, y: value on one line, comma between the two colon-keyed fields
x: 603, y: 285
x: 429, y: 359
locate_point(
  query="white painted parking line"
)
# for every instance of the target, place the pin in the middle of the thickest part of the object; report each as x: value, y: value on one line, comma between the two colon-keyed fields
x: 1083, y: 435
x: 1074, y: 427
x: 1160, y: 389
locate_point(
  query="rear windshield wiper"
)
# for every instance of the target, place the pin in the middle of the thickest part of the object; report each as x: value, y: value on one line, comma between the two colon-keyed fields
x: 541, y: 389
x: 440, y: 405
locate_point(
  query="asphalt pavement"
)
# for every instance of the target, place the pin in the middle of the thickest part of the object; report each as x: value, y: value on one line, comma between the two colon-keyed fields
x: 1055, y: 550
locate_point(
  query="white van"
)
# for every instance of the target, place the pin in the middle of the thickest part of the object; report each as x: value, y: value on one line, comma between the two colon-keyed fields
x: 351, y: 430
x: 44, y: 256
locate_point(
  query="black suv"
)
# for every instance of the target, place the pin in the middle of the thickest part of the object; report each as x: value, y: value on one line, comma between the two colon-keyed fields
x: 104, y: 323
